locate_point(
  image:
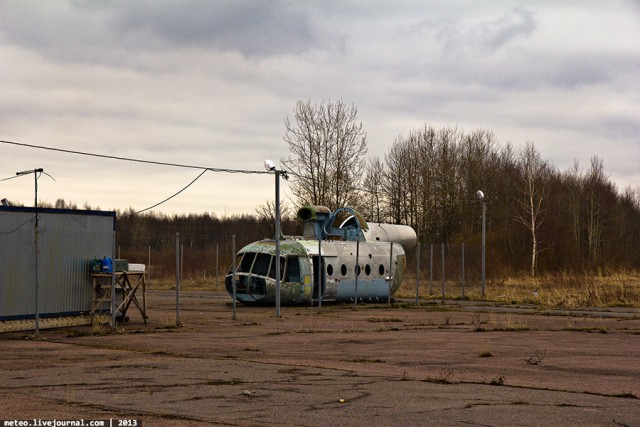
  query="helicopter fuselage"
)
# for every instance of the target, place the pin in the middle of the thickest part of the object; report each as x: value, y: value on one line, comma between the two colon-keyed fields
x: 310, y: 269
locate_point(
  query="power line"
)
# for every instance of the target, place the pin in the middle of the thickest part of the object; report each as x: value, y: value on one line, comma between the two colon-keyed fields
x: 11, y: 177
x: 82, y: 153
x: 171, y: 197
x: 127, y: 159
x: 19, y: 227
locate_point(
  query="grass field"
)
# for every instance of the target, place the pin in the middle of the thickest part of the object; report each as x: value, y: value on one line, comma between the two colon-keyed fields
x: 562, y: 290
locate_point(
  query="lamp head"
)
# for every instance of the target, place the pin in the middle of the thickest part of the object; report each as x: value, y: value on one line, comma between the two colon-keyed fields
x: 269, y: 165
x: 480, y: 195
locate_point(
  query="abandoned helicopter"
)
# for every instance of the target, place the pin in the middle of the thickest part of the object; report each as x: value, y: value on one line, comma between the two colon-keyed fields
x: 339, y: 257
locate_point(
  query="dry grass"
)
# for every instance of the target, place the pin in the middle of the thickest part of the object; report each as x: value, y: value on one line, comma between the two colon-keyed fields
x: 191, y: 283
x: 559, y: 290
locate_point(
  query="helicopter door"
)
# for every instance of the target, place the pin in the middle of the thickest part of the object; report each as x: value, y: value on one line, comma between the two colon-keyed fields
x: 318, y: 276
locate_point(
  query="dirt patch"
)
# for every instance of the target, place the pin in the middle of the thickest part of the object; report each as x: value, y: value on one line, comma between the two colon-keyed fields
x: 374, y: 365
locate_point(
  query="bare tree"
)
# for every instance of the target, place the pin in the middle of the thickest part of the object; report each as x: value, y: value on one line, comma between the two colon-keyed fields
x: 266, y: 214
x: 328, y: 148
x: 595, y: 189
x: 372, y: 183
x: 395, y: 179
x: 535, y: 182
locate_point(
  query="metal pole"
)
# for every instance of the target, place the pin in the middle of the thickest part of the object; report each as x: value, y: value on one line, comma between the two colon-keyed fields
x: 417, y: 272
x: 390, y: 271
x: 484, y: 236
x: 233, y: 274
x: 37, y: 314
x: 113, y: 283
x: 215, y: 281
x: 277, y: 243
x: 320, y: 271
x: 442, y: 273
x: 35, y: 244
x: 355, y: 302
x: 178, y: 323
x: 431, y: 271
x: 149, y: 271
x: 462, y: 271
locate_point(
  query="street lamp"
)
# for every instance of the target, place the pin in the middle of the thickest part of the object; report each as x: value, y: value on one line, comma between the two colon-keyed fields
x: 35, y: 176
x: 482, y: 198
x: 271, y: 167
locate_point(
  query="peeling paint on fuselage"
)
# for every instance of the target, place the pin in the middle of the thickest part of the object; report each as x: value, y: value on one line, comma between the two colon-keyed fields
x: 382, y: 267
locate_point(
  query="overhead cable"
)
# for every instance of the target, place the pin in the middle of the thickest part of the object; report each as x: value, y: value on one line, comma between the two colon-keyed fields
x: 171, y: 197
x: 127, y: 159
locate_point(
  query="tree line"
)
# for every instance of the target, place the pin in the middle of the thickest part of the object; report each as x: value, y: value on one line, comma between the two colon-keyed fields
x: 539, y: 219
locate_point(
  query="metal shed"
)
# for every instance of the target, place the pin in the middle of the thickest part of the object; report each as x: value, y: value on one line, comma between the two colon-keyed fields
x: 45, y: 263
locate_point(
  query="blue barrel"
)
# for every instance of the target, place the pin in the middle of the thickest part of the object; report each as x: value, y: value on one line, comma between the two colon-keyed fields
x: 107, y: 265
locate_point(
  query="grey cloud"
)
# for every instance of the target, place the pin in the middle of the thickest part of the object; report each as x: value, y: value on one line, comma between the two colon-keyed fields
x: 254, y: 28
x: 489, y: 36
x: 102, y: 31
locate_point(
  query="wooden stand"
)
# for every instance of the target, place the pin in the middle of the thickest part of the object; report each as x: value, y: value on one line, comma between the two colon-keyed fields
x: 128, y: 284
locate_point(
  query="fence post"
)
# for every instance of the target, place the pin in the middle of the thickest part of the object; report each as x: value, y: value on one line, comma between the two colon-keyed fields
x: 431, y: 272
x: 113, y: 283
x: 320, y: 272
x: 178, y: 323
x: 463, y: 271
x: 215, y: 280
x: 355, y: 303
x: 390, y: 271
x: 443, y: 273
x: 233, y: 274
x: 417, y: 272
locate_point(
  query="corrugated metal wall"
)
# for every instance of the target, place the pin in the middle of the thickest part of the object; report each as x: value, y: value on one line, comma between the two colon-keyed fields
x: 68, y: 240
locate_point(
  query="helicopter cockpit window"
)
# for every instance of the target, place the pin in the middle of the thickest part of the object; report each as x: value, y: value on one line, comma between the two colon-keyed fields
x: 247, y: 261
x: 272, y: 267
x: 293, y: 270
x: 238, y: 259
x: 261, y: 265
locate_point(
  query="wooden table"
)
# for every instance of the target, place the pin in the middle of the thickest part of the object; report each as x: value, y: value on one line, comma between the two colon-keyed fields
x: 127, y: 282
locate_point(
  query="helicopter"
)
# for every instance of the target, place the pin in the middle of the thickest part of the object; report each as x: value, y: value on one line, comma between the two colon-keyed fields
x: 339, y: 257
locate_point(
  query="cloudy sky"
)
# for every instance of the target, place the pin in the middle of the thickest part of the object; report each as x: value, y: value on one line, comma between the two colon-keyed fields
x: 209, y: 83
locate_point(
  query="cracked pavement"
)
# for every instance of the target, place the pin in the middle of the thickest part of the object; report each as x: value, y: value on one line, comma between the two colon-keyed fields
x: 433, y: 364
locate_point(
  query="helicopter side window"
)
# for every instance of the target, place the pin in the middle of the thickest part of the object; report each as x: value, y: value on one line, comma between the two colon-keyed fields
x: 247, y: 261
x: 293, y: 270
x: 261, y: 265
x: 272, y: 267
